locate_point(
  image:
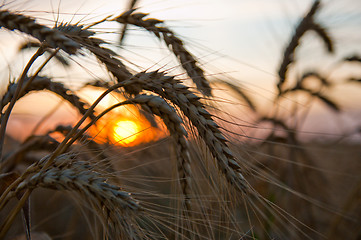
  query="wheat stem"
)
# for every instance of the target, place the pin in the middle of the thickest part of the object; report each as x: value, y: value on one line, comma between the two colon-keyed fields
x: 5, y: 117
x: 9, y: 220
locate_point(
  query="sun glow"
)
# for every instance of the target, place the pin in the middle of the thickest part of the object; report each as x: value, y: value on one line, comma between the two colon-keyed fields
x: 125, y: 131
x: 125, y: 126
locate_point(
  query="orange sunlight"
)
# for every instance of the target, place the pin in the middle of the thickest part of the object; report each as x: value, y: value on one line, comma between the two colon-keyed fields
x: 124, y: 126
x: 125, y: 132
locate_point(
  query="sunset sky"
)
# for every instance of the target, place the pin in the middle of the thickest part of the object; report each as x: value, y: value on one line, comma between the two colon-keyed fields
x: 242, y: 40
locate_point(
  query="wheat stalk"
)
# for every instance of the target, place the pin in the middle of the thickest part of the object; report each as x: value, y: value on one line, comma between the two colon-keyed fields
x: 36, y: 44
x: 322, y: 33
x: 144, y: 111
x: 317, y: 94
x: 5, y: 116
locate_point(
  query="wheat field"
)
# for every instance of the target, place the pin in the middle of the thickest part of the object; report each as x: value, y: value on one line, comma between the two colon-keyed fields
x: 104, y: 135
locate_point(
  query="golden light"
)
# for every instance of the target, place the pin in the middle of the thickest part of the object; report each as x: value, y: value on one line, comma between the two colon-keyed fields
x: 125, y: 132
x: 125, y: 126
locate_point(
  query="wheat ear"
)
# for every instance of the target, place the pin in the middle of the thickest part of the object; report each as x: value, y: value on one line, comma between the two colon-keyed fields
x: 114, y: 207
x: 174, y: 123
x: 85, y: 38
x: 52, y: 37
x: 44, y: 83
x: 169, y: 88
x: 176, y: 45
x: 307, y: 23
x: 353, y: 58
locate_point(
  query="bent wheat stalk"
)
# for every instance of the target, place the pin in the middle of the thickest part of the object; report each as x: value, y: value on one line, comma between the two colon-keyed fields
x: 5, y: 117
x: 239, y: 91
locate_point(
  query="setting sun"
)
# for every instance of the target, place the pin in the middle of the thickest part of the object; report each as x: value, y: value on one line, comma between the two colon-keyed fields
x: 125, y: 131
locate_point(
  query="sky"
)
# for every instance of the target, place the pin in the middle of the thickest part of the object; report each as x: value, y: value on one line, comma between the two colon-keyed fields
x: 241, y: 40
x: 248, y: 35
